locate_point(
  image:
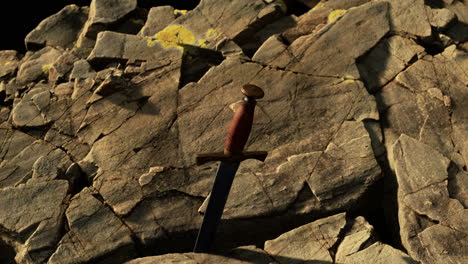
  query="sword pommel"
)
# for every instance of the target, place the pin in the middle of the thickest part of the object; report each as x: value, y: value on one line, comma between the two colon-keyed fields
x: 241, y: 124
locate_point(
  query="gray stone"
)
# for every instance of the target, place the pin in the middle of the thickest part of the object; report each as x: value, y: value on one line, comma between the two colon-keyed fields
x: 386, y: 60
x: 410, y: 17
x: 17, y: 170
x: 38, y: 65
x: 9, y: 62
x: 32, y: 218
x: 440, y: 18
x: 360, y: 235
x: 312, y: 53
x: 81, y: 69
x: 117, y: 46
x: 60, y: 29
x: 410, y: 103
x: 31, y: 111
x: 95, y: 233
x: 158, y: 18
x: 379, y: 253
x: 51, y: 167
x: 310, y: 242
x: 102, y: 14
x: 423, y: 197
x: 61, y: 67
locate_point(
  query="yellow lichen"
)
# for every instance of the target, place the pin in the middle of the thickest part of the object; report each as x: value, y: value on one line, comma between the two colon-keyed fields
x: 179, y: 12
x: 335, y: 14
x: 202, y: 43
x: 211, y: 33
x: 46, y: 68
x: 138, y: 22
x: 6, y: 63
x: 172, y: 36
x: 319, y: 5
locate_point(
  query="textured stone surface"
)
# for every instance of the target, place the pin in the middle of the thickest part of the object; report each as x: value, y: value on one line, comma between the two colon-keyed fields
x: 386, y: 60
x: 32, y: 218
x: 310, y: 242
x: 121, y: 116
x: 432, y: 223
x: 37, y: 65
x: 410, y: 17
x: 95, y: 233
x: 61, y: 29
x: 102, y: 14
x: 158, y: 18
x: 379, y: 253
x: 9, y: 61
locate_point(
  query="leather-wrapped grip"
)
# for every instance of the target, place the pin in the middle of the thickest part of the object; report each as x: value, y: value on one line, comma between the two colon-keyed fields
x: 239, y: 129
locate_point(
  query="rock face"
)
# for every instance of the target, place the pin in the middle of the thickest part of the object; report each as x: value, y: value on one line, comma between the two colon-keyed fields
x: 364, y: 106
x: 432, y: 222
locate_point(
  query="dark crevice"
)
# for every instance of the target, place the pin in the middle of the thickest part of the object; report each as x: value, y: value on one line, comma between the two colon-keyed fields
x: 299, y: 7
x: 436, y: 4
x: 432, y: 47
x: 7, y: 253
x: 196, y: 62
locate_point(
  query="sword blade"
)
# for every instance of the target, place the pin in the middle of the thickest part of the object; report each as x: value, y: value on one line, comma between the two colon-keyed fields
x: 219, y: 194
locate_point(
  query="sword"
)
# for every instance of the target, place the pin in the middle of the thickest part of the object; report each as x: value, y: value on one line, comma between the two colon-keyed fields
x: 231, y: 157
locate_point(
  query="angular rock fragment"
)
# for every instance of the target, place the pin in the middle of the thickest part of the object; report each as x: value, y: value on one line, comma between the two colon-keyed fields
x: 158, y: 18
x: 410, y: 17
x: 386, y: 60
x: 432, y: 223
x: 102, y: 14
x: 123, y: 47
x: 379, y: 253
x: 9, y: 62
x: 61, y: 67
x: 95, y: 233
x: 31, y: 110
x: 81, y: 70
x: 311, y: 54
x: 440, y: 18
x: 310, y: 242
x: 32, y: 218
x: 60, y: 29
x: 37, y: 65
x: 51, y: 166
x: 412, y: 103
x: 18, y: 169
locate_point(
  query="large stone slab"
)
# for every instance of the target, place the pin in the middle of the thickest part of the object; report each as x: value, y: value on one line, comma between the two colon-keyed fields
x: 32, y: 218
x: 312, y: 53
x: 60, y: 29
x: 432, y: 223
x: 387, y: 59
x: 426, y: 101
x: 18, y: 169
x: 102, y: 14
x: 310, y: 242
x: 158, y: 18
x: 410, y: 17
x: 96, y: 234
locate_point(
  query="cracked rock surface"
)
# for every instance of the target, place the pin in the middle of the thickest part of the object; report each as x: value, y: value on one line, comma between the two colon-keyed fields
x: 364, y: 107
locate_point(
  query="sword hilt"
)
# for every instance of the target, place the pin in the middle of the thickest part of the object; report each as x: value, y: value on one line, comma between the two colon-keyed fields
x: 241, y: 124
